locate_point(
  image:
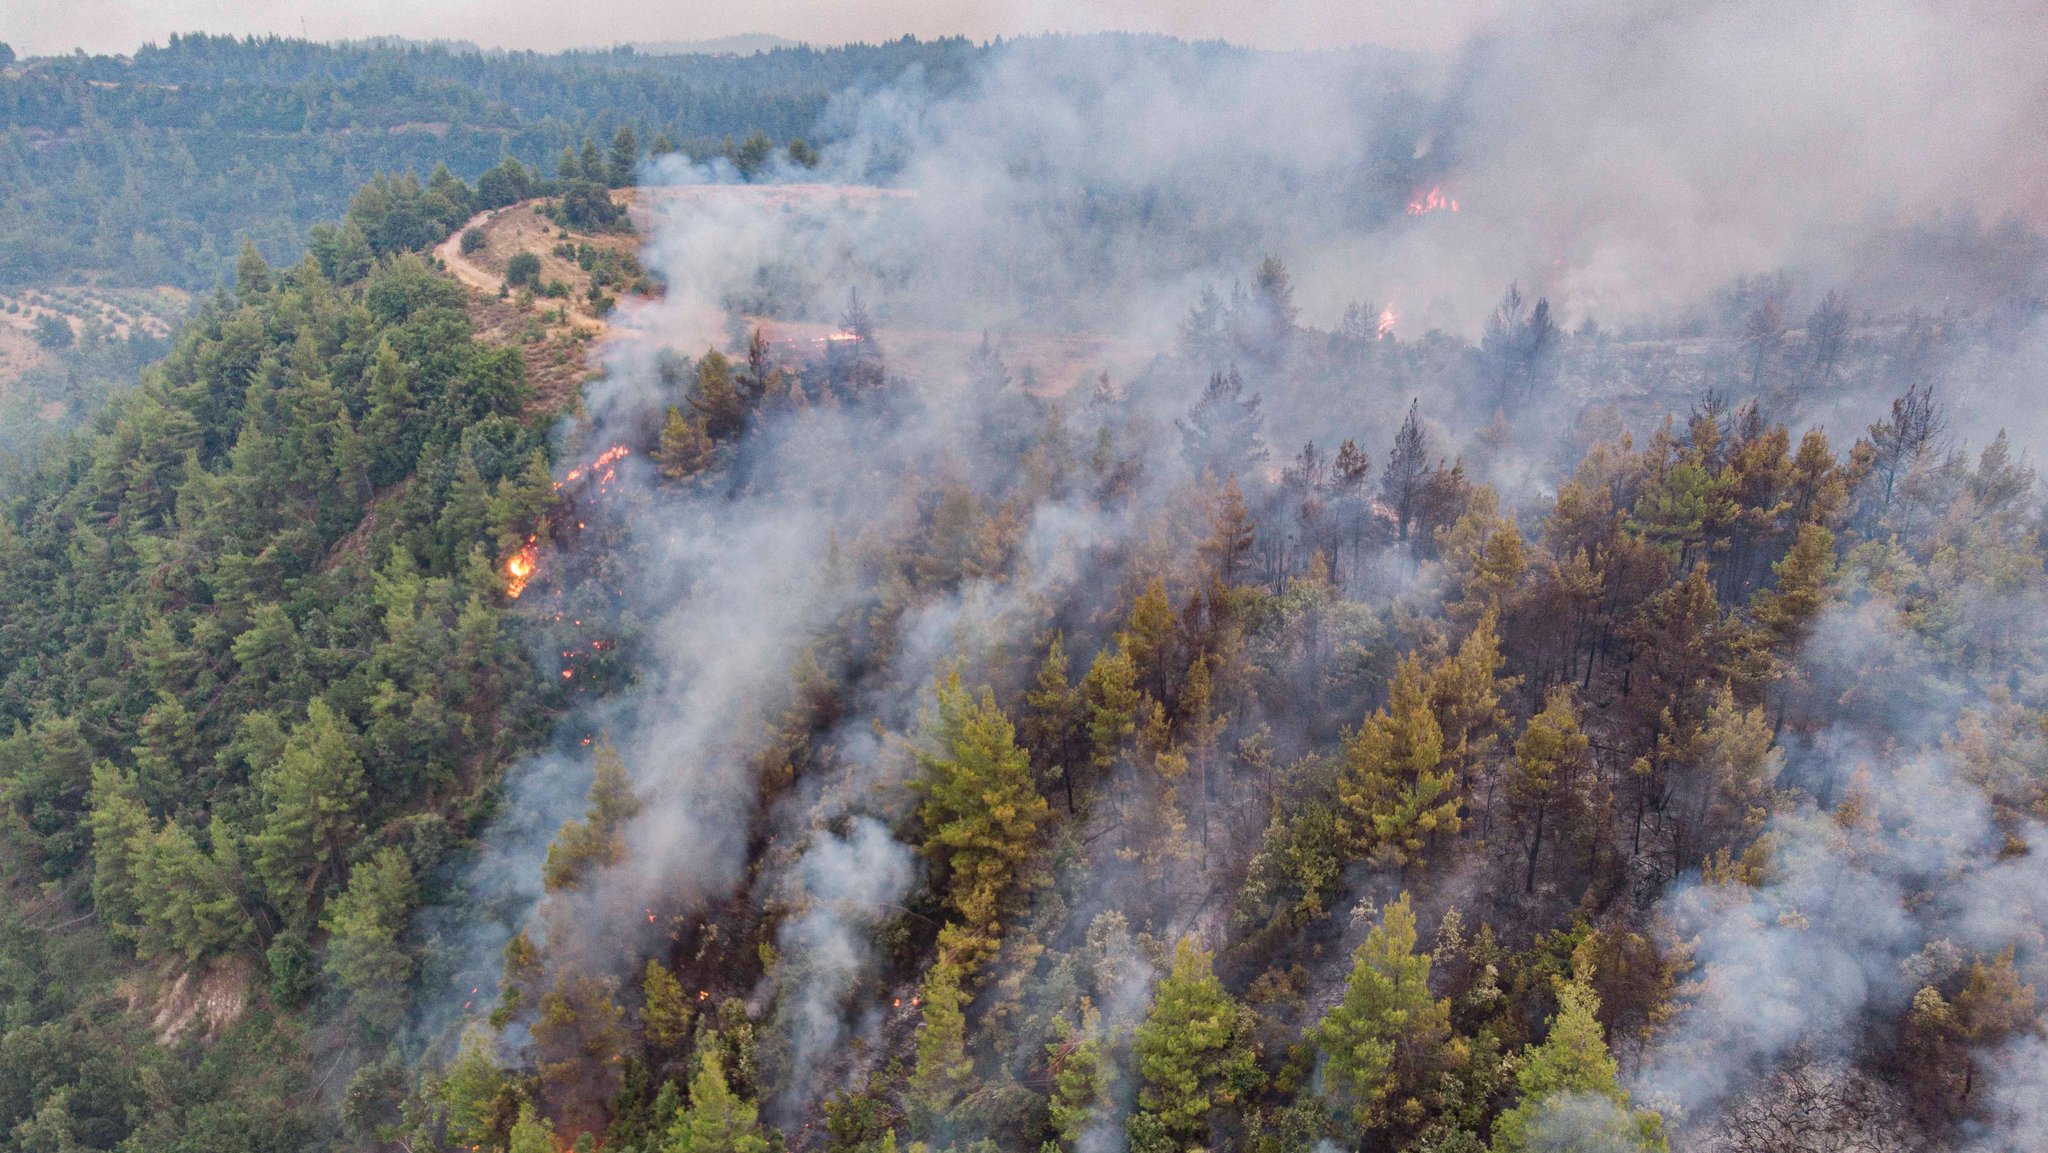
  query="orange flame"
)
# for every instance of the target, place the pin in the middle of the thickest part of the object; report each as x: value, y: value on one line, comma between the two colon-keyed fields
x: 604, y: 467
x: 520, y: 566
x: 1386, y: 327
x: 1433, y: 201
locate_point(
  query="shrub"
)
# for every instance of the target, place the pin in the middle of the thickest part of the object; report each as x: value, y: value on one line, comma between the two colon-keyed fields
x: 589, y: 206
x: 53, y: 331
x: 522, y: 269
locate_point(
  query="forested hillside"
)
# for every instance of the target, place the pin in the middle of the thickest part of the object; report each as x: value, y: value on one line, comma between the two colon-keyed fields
x: 258, y: 684
x: 438, y: 720
x: 1116, y: 786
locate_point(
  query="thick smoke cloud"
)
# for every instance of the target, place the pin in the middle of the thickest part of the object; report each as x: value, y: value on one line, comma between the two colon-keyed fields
x: 1890, y: 888
x: 1635, y: 155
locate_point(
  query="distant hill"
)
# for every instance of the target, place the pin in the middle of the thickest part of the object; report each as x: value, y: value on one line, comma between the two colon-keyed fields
x: 149, y: 169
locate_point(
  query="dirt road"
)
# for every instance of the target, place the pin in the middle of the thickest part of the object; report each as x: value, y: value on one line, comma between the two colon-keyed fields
x: 449, y: 252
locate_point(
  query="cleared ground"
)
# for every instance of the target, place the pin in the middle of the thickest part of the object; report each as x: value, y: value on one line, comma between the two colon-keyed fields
x: 554, y: 331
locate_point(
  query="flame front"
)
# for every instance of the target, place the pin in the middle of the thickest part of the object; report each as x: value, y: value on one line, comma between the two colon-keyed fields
x: 1435, y: 200
x: 519, y: 567
x: 604, y: 468
x: 1386, y: 328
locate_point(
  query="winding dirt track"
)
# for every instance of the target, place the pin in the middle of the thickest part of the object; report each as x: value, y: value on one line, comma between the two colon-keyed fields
x: 483, y: 280
x: 449, y: 252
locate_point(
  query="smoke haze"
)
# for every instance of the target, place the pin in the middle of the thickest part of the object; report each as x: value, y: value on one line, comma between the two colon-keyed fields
x: 1626, y: 162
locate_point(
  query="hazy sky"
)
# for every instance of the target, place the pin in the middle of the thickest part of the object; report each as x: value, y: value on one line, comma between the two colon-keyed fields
x: 50, y: 26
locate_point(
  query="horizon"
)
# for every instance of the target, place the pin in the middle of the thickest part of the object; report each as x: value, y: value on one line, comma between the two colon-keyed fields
x: 43, y: 28
x: 739, y: 44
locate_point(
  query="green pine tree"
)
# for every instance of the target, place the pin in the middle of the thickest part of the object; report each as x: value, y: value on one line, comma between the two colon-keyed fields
x: 665, y: 1018
x: 1388, y: 1038
x: 943, y: 1071
x: 596, y: 840
x: 365, y: 954
x: 1195, y: 1051
x: 716, y: 398
x: 188, y: 899
x: 981, y: 811
x: 532, y: 1133
x: 313, y: 799
x: 1082, y: 1074
x: 1399, y: 794
x: 1111, y: 692
x: 718, y: 1120
x: 1571, y: 1096
x: 121, y: 830
x: 684, y: 449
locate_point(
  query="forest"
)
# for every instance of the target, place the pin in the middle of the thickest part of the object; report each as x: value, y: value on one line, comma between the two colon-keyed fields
x: 127, y: 184
x: 151, y: 168
x: 1311, y: 733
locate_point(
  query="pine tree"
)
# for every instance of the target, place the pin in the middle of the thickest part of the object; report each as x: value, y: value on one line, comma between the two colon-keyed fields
x: 1232, y: 535
x: 188, y: 899
x: 252, y: 273
x: 1111, y: 692
x: 1394, y: 785
x: 1055, y: 720
x: 1388, y: 1038
x: 391, y: 426
x: 943, y: 1072
x: 667, y: 1013
x: 718, y: 1120
x: 168, y: 758
x: 1407, y: 464
x: 981, y: 810
x: 1082, y: 1076
x: 121, y: 829
x: 1735, y: 764
x: 596, y: 841
x: 716, y: 398
x: 685, y: 448
x: 474, y: 1095
x: 1571, y: 1096
x: 519, y: 507
x: 1148, y: 637
x: 1787, y: 611
x: 365, y: 954
x: 1544, y: 778
x: 313, y: 799
x: 1195, y: 1051
x: 465, y: 516
x: 1484, y: 558
x: 624, y: 159
x: 1220, y: 436
x: 531, y: 1133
